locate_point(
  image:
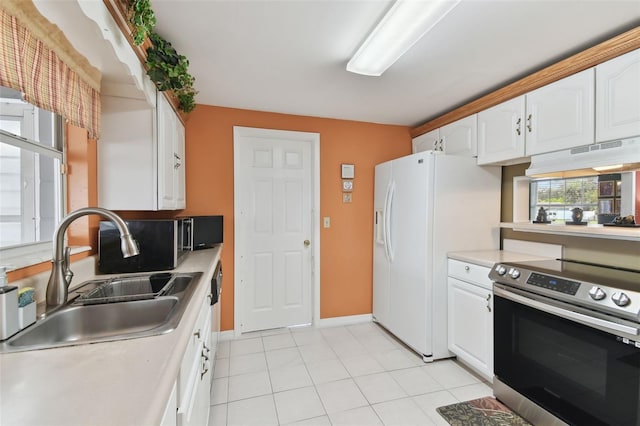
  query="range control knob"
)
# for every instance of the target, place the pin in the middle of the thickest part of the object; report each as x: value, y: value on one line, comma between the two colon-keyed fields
x: 514, y: 273
x: 501, y: 270
x: 597, y: 293
x: 620, y: 299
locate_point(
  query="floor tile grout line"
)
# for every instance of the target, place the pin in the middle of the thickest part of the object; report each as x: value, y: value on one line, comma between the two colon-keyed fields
x: 328, y: 344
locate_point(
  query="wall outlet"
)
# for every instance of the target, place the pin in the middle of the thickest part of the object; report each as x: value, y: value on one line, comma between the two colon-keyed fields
x: 326, y: 222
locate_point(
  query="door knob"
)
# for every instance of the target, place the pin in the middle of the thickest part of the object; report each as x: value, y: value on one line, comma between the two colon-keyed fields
x: 307, y: 243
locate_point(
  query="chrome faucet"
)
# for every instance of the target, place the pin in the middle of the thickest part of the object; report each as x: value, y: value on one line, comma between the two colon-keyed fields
x: 61, y: 275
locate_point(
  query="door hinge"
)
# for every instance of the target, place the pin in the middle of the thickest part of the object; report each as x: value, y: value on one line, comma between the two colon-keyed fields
x: 63, y: 169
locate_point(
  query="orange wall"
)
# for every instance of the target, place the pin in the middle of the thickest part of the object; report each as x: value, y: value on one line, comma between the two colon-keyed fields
x: 346, y: 247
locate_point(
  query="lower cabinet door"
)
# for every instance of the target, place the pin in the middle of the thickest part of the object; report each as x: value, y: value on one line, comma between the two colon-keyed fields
x: 470, y: 328
x: 170, y: 418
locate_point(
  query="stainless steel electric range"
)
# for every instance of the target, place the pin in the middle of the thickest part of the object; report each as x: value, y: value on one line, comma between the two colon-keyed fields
x: 567, y: 342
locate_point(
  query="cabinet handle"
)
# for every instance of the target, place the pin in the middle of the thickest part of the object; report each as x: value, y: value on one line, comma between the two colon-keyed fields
x: 529, y: 123
x: 488, y: 304
x: 203, y: 373
x: 466, y: 268
x: 518, y: 124
x: 197, y: 334
x: 178, y: 161
x: 441, y: 144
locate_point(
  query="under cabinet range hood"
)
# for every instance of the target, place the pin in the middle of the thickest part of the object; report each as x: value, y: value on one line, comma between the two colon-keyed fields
x: 588, y: 160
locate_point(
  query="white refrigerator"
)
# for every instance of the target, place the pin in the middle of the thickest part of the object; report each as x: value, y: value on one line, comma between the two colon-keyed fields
x: 426, y: 205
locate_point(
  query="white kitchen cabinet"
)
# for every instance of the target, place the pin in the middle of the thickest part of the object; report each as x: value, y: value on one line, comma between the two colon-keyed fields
x: 618, y: 97
x: 501, y: 133
x: 552, y: 118
x: 426, y: 142
x: 470, y: 315
x: 140, y: 155
x: 171, y: 170
x: 460, y: 137
x: 561, y: 115
x: 169, y: 417
x: 194, y: 381
x: 457, y: 138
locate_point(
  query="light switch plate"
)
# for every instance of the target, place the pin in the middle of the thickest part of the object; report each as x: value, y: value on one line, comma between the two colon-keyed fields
x: 327, y: 222
x: 346, y: 197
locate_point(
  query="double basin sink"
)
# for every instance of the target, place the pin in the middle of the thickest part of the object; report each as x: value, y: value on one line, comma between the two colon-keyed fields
x: 107, y: 309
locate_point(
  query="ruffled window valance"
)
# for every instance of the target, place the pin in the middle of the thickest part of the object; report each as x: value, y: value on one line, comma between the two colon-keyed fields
x: 36, y: 59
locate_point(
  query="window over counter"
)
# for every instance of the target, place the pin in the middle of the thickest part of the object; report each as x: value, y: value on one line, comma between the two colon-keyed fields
x: 601, y: 198
x: 31, y: 184
x: 559, y: 198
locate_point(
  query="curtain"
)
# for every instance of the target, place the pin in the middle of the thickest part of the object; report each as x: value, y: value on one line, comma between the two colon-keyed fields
x: 44, y: 66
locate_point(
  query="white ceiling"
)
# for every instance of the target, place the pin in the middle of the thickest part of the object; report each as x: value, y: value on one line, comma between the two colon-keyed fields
x: 290, y: 56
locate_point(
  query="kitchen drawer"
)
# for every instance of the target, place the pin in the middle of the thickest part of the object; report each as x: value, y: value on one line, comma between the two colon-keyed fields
x: 470, y: 272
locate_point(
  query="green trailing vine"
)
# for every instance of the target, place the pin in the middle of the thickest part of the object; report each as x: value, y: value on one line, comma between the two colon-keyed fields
x: 166, y: 68
x: 169, y: 71
x: 142, y: 19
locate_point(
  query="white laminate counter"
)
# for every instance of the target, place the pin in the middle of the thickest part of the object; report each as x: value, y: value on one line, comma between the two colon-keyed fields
x: 126, y: 382
x: 490, y: 257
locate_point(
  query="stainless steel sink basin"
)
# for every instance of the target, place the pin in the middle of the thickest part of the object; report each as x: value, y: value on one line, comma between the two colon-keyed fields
x: 111, y: 309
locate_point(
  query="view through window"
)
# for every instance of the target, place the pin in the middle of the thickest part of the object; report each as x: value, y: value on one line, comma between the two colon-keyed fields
x: 559, y: 196
x: 30, y: 173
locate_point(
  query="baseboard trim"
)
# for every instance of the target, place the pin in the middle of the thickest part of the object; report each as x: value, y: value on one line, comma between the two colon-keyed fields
x: 226, y: 335
x: 345, y: 320
x: 325, y: 322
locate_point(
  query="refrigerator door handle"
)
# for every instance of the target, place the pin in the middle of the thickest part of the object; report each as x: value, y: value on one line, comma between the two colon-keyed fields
x: 379, y: 221
x: 387, y: 227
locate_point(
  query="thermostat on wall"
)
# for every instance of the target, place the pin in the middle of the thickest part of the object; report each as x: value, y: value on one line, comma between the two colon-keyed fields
x: 348, y: 171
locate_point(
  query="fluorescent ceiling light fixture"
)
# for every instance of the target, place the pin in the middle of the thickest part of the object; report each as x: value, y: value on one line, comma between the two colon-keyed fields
x: 606, y: 168
x: 405, y: 23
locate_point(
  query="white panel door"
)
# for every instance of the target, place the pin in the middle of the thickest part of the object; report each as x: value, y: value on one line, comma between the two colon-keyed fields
x: 501, y: 132
x: 460, y: 137
x: 167, y: 134
x: 471, y: 325
x: 561, y: 114
x: 426, y: 142
x: 618, y: 97
x: 273, y: 228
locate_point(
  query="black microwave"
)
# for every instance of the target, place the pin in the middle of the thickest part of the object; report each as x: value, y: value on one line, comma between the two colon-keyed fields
x: 200, y: 232
x: 160, y: 243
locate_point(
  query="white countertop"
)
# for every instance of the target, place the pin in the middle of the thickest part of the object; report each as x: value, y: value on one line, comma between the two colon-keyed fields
x: 126, y: 382
x: 490, y: 257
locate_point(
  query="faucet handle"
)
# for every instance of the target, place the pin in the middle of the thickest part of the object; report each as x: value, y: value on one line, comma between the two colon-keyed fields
x: 68, y: 274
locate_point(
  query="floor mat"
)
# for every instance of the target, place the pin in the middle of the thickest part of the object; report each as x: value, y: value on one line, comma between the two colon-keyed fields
x: 481, y: 412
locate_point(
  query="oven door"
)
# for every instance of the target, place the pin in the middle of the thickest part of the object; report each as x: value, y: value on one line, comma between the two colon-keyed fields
x: 557, y: 359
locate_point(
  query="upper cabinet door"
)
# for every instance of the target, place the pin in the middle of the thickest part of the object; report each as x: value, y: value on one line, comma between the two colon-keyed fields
x: 501, y: 132
x: 618, y: 97
x: 561, y: 114
x: 461, y: 137
x: 180, y: 167
x: 426, y: 142
x: 171, y: 167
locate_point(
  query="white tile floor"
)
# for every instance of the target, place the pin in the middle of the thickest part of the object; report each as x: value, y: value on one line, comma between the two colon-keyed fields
x: 355, y: 375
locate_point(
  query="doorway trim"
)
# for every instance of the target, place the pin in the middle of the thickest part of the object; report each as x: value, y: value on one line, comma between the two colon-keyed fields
x: 314, y: 138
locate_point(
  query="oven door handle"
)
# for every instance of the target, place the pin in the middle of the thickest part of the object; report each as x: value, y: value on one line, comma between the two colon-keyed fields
x: 570, y: 315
